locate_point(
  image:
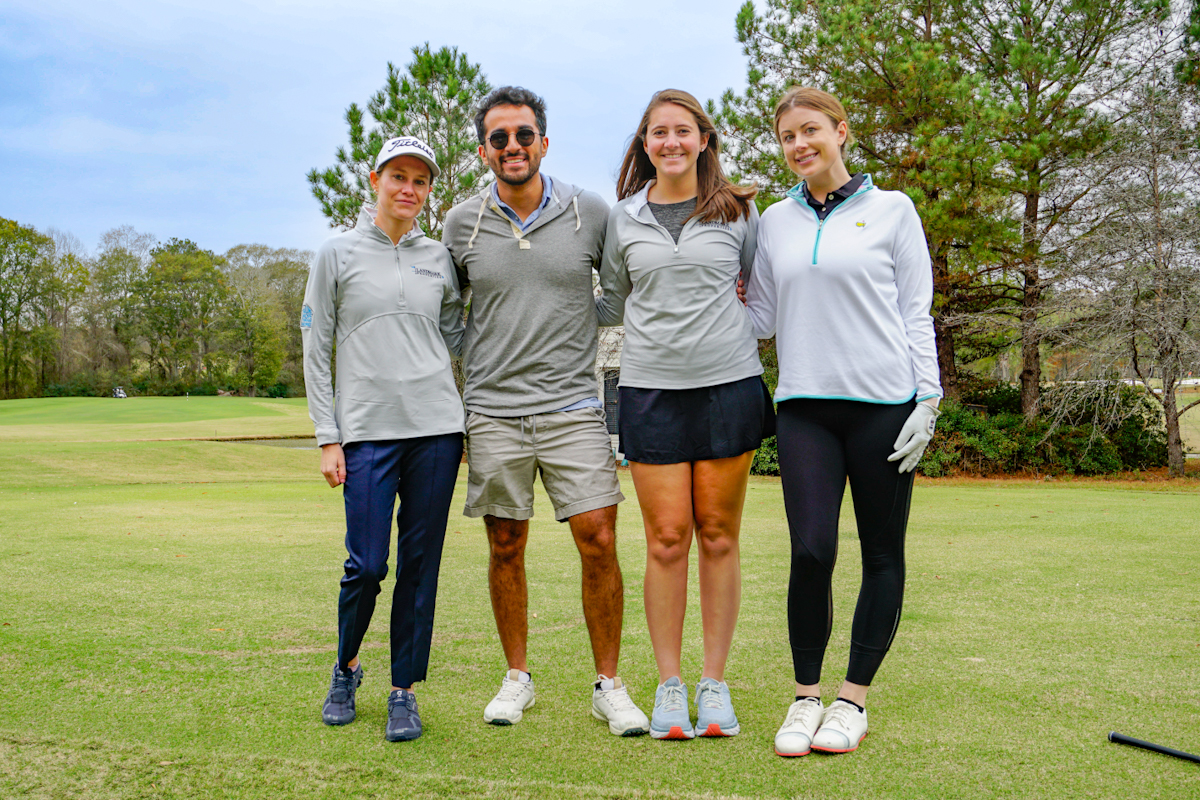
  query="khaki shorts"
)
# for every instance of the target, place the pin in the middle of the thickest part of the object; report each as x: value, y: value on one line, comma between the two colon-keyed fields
x: 571, y: 449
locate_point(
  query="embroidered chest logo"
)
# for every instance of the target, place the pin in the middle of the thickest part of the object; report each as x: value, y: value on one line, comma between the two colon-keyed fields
x: 306, y: 316
x: 428, y: 273
x: 724, y: 226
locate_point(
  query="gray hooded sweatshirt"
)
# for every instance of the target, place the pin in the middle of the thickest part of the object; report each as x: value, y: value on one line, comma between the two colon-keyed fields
x: 531, y: 334
x: 395, y: 312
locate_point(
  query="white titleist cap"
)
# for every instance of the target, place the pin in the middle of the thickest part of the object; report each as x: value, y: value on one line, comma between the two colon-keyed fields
x: 407, y: 146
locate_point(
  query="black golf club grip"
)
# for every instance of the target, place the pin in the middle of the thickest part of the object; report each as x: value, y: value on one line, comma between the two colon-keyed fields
x: 1121, y: 738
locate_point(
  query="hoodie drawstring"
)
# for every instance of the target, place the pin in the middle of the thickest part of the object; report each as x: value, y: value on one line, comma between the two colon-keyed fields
x: 478, y: 220
x: 516, y: 230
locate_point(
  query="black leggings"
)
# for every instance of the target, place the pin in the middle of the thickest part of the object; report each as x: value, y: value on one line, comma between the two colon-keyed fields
x: 821, y: 443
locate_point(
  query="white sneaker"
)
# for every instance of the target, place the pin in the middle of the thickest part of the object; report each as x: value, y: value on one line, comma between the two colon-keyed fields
x: 843, y: 726
x: 617, y: 708
x: 509, y: 704
x: 796, y: 734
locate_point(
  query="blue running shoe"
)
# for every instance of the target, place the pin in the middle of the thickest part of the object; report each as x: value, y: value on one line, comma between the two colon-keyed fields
x: 714, y: 709
x: 404, y: 720
x: 339, y: 703
x: 670, y: 718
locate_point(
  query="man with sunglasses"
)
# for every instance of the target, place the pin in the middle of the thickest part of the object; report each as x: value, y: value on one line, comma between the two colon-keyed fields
x: 526, y: 247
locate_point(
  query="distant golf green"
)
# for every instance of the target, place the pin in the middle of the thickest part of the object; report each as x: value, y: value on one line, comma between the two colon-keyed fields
x: 134, y: 418
x: 167, y: 626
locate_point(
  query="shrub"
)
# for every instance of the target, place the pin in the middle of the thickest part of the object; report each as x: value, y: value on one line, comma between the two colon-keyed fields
x: 766, y: 458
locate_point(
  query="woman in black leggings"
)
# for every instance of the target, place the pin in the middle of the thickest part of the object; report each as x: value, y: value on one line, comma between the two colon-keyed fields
x: 842, y: 278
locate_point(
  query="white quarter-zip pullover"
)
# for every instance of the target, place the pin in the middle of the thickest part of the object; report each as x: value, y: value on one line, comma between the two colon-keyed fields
x: 847, y: 298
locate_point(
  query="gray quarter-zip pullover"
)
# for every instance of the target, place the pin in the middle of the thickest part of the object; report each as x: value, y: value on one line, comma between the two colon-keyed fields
x: 395, y: 313
x: 684, y: 326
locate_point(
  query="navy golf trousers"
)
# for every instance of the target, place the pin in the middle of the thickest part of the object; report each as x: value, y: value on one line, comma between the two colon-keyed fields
x: 821, y: 444
x: 422, y: 471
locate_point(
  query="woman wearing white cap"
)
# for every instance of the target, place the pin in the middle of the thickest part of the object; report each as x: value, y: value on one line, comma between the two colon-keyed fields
x: 388, y: 297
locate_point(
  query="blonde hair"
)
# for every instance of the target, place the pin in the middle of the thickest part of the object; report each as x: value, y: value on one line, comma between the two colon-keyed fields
x: 717, y: 197
x: 809, y: 97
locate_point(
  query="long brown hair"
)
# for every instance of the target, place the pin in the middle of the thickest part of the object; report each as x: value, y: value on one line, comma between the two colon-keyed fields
x: 716, y: 197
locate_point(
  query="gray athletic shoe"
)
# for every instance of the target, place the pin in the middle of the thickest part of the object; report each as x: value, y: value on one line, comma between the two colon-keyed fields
x: 670, y: 717
x: 714, y: 709
x: 404, y: 720
x: 339, y: 703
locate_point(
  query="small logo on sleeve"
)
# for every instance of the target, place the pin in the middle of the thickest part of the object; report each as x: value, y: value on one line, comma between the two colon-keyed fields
x: 306, y: 316
x: 861, y: 224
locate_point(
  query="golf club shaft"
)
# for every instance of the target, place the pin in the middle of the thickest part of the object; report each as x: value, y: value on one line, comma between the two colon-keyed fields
x: 1121, y: 738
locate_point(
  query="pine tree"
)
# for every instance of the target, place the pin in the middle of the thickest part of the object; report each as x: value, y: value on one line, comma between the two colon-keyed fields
x: 434, y: 100
x: 922, y: 123
x: 1060, y: 69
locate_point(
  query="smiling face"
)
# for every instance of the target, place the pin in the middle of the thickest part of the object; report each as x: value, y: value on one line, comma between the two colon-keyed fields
x: 812, y: 143
x: 672, y: 141
x: 402, y: 186
x: 514, y: 164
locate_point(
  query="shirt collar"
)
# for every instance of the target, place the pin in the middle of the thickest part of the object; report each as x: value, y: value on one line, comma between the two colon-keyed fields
x: 546, y: 194
x: 839, y: 194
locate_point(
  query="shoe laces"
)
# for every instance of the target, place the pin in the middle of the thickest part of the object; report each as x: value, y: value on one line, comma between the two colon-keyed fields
x: 711, y: 697
x: 672, y: 698
x: 619, y: 699
x: 839, y: 715
x: 509, y: 690
x: 342, y: 682
x: 799, y: 710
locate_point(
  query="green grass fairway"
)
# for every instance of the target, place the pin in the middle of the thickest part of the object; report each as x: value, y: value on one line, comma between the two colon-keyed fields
x: 167, y: 627
x: 99, y: 419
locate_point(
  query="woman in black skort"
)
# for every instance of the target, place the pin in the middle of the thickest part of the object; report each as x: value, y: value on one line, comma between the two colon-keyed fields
x: 693, y: 408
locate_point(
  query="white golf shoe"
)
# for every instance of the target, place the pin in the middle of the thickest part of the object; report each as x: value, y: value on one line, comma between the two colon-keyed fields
x: 617, y: 708
x: 509, y: 704
x: 843, y: 726
x: 796, y: 734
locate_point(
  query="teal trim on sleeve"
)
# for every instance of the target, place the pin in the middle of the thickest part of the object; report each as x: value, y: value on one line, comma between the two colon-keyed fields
x: 855, y: 399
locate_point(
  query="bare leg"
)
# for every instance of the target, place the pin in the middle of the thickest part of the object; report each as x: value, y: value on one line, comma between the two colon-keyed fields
x: 603, y: 590
x: 854, y: 692
x: 665, y: 495
x: 718, y: 494
x: 506, y: 581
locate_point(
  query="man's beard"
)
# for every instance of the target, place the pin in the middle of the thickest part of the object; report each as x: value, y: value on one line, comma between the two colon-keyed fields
x: 530, y: 173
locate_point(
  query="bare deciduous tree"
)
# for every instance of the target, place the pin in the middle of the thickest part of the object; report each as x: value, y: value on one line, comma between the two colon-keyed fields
x: 1136, y: 278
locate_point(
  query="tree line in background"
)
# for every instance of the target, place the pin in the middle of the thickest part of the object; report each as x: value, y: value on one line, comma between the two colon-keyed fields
x: 1052, y: 150
x: 155, y: 318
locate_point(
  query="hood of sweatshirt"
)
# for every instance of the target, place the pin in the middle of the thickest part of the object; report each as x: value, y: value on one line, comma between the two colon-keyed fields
x: 564, y: 197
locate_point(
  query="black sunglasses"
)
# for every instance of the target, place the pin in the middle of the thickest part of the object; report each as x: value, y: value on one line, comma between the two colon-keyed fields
x: 525, y: 137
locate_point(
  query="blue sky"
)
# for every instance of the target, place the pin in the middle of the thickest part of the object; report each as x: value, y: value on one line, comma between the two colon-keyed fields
x: 200, y: 119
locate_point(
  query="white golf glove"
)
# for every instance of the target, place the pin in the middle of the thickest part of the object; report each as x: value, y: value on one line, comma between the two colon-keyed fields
x: 914, y: 436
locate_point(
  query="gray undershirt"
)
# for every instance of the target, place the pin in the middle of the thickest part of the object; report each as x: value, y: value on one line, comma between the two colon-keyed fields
x: 672, y: 215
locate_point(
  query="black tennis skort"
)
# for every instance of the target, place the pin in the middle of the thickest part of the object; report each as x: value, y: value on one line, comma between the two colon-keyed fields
x: 673, y: 426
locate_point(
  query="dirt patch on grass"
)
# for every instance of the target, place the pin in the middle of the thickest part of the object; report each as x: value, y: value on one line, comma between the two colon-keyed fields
x: 1156, y: 478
